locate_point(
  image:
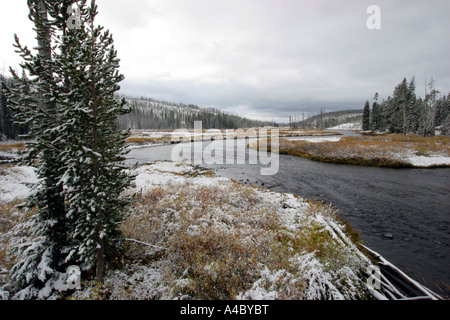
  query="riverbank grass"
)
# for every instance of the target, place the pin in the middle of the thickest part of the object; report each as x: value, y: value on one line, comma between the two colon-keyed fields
x: 393, y: 150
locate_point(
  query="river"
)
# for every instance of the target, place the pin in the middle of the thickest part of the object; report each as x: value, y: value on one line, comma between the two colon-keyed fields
x: 403, y: 214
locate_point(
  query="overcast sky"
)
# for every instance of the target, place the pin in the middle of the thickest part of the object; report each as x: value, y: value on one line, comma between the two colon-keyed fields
x: 265, y: 59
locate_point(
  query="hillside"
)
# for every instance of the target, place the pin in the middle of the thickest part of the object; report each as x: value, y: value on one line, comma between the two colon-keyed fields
x: 147, y: 113
x: 347, y: 119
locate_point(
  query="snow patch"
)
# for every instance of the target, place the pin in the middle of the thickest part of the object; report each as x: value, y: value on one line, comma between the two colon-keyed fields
x: 16, y: 183
x: 423, y: 161
x: 317, y: 139
x: 347, y: 126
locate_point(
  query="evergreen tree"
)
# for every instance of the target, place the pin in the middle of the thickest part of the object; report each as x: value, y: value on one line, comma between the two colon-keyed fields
x: 79, y: 149
x: 41, y: 261
x: 405, y: 113
x: 366, y: 116
x: 95, y: 172
x: 374, y: 117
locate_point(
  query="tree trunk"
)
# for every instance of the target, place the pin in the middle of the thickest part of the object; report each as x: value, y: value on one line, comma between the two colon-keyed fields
x: 44, y: 37
x: 55, y: 201
x: 404, y: 117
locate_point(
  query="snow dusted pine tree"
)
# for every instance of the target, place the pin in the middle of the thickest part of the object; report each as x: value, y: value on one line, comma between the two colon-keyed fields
x: 41, y: 260
x: 95, y: 175
x: 79, y: 148
x: 366, y: 117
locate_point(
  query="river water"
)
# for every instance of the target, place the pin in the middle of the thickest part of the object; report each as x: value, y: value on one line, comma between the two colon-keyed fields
x: 403, y: 214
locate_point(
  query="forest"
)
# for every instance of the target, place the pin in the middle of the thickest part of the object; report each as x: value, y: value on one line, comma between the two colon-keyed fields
x: 406, y: 113
x: 324, y: 120
x: 9, y: 130
x: 148, y: 113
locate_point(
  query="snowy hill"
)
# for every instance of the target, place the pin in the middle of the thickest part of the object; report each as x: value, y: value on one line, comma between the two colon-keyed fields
x: 347, y: 119
x: 147, y: 113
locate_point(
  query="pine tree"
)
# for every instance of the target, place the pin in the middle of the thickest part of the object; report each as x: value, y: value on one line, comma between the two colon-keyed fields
x: 366, y: 116
x: 41, y: 261
x: 68, y: 98
x: 95, y: 175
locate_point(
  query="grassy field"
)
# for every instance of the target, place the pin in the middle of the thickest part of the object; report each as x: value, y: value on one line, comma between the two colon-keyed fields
x: 397, y: 151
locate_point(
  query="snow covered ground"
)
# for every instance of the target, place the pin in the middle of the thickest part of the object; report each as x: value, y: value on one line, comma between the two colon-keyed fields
x: 189, y: 209
x: 424, y: 161
x: 316, y: 139
x: 233, y: 214
x: 15, y: 183
x: 347, y: 126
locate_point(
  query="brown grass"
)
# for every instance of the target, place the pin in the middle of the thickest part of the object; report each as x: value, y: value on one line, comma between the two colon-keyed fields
x: 10, y: 216
x: 381, y: 151
x: 216, y: 240
x: 12, y: 146
x: 144, y: 140
x: 218, y: 261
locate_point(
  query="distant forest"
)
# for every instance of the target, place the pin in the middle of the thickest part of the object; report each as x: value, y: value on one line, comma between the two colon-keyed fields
x: 325, y: 120
x: 145, y: 113
x: 8, y: 129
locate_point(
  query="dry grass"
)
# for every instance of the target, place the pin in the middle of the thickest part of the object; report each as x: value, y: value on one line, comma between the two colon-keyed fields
x: 382, y: 151
x: 12, y: 146
x: 147, y: 140
x: 216, y: 241
x: 213, y: 250
x: 10, y: 217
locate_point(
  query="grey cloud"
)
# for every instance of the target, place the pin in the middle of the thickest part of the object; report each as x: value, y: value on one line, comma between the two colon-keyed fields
x: 289, y: 56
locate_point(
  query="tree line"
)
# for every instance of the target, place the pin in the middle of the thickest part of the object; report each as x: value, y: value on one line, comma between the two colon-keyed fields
x: 148, y: 113
x: 9, y: 129
x: 406, y: 113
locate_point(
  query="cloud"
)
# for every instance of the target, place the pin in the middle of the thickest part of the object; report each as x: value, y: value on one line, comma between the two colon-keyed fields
x: 267, y: 57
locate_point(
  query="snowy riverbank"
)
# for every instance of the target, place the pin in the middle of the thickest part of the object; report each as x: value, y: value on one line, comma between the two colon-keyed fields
x: 401, y: 151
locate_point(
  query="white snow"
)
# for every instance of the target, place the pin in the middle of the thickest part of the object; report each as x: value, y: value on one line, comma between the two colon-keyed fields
x: 15, y: 183
x: 347, y: 126
x: 316, y: 139
x: 8, y: 155
x: 423, y: 161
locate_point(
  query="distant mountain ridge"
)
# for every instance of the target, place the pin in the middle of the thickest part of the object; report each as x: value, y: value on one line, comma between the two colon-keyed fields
x: 148, y: 113
x: 346, y: 119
